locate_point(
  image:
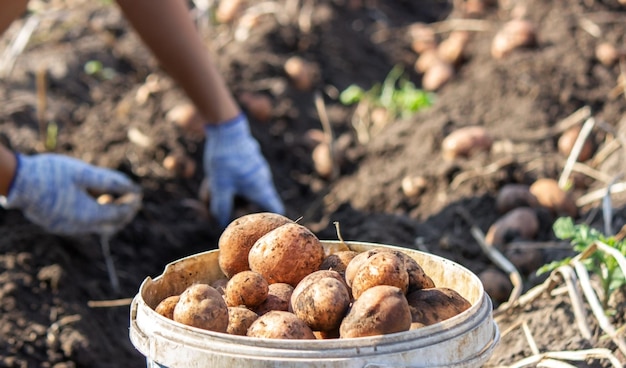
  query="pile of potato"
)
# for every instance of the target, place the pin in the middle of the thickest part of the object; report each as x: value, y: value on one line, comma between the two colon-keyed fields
x: 282, y: 283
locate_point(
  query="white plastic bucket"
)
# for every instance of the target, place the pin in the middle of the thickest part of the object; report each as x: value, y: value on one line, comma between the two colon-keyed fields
x: 465, y: 340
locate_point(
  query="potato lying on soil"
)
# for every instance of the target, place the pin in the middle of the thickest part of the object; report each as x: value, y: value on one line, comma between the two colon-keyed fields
x: 247, y: 288
x: 520, y: 223
x: 552, y: 197
x: 167, y: 305
x: 514, y: 34
x: 338, y: 261
x: 567, y: 140
x: 511, y: 196
x: 278, y: 298
x: 465, y: 141
x: 383, y: 268
x: 286, y: 254
x: 322, y: 304
x: 239, y: 320
x: 380, y: 310
x: 280, y: 325
x: 202, y: 306
x: 240, y: 235
x: 496, y: 284
x: 430, y: 306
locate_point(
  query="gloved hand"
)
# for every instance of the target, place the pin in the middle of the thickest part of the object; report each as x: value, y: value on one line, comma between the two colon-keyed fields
x: 51, y: 190
x: 234, y: 165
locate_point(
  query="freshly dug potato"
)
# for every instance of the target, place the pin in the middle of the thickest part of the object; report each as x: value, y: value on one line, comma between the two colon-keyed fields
x: 322, y: 304
x: 314, y: 277
x: 286, y: 254
x: 465, y: 141
x: 326, y: 335
x: 167, y: 305
x: 451, y: 49
x: 239, y: 320
x: 338, y: 261
x: 496, y: 284
x: 247, y: 288
x: 438, y: 74
x: 259, y: 106
x: 303, y: 74
x: 567, y: 140
x: 607, y: 53
x: 515, y: 34
x: 520, y: 223
x: 511, y: 196
x: 525, y: 260
x: 429, y: 306
x: 426, y: 60
x: 278, y: 298
x: 384, y: 268
x: 422, y: 36
x: 380, y: 310
x: 356, y: 263
x: 552, y: 197
x: 202, y: 306
x: 240, y: 235
x: 280, y: 325
x: 413, y: 186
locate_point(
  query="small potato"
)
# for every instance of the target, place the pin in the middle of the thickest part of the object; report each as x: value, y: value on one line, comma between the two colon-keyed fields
x: 180, y: 164
x: 303, y: 74
x: 429, y: 306
x: 338, y: 261
x: 567, y: 140
x: 607, y: 53
x: 465, y: 141
x: 512, y: 196
x: 520, y: 223
x: 515, y: 34
x: 220, y: 284
x: 202, y: 306
x: 247, y: 288
x: 356, y: 263
x: 380, y: 310
x: 322, y: 304
x: 167, y: 305
x: 323, y: 161
x: 239, y: 320
x: 286, y: 254
x: 451, y: 49
x: 438, y: 74
x: 552, y: 197
x: 426, y: 60
x: 413, y: 186
x: 280, y: 325
x: 423, y: 37
x: 278, y: 298
x: 228, y: 10
x: 525, y: 260
x: 314, y: 277
x: 188, y: 119
x: 496, y: 284
x: 259, y: 106
x: 240, y: 235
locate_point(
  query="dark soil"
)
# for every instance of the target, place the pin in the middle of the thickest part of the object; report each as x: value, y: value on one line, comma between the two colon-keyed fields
x: 48, y: 283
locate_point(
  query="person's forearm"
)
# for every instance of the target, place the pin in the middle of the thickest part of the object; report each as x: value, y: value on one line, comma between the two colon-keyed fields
x: 168, y: 30
x: 8, y: 162
x: 9, y: 10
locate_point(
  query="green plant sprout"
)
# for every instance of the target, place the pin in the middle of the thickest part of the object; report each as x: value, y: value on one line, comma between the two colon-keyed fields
x: 582, y: 236
x: 396, y: 94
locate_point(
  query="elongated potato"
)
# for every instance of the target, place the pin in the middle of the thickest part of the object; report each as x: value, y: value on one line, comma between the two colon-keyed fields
x: 239, y: 236
x: 286, y: 254
x: 280, y: 325
x: 380, y: 310
x: 429, y: 306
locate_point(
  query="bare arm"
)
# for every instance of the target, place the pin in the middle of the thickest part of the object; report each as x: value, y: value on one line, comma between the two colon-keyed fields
x: 9, y: 11
x: 7, y: 169
x: 168, y: 30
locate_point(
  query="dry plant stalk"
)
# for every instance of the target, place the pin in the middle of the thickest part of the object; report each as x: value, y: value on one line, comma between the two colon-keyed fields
x: 575, y: 152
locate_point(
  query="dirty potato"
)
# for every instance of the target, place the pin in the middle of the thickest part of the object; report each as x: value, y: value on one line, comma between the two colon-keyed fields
x: 167, y: 305
x: 238, y: 237
x: 239, y: 320
x: 380, y: 310
x: 429, y: 306
x: 322, y: 304
x: 338, y: 261
x: 280, y: 325
x: 286, y: 254
x: 202, y: 306
x: 278, y: 298
x: 247, y: 288
x: 383, y: 268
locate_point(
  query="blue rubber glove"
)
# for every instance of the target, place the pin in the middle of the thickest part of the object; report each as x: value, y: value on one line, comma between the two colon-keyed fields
x: 51, y: 190
x: 234, y: 165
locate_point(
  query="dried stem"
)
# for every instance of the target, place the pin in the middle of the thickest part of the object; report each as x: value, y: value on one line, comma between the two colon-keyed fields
x: 578, y: 146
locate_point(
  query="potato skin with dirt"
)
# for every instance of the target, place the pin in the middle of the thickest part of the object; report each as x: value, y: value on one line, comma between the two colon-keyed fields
x: 380, y: 310
x: 280, y: 325
x: 338, y: 261
x: 429, y: 306
x: 239, y: 320
x: 278, y: 298
x: 202, y: 306
x: 240, y: 235
x: 167, y: 305
x: 286, y: 254
x: 384, y: 268
x: 322, y: 304
x: 247, y: 288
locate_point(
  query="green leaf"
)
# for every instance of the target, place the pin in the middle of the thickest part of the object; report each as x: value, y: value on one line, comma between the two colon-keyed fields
x: 351, y: 95
x: 552, y: 266
x: 564, y: 228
